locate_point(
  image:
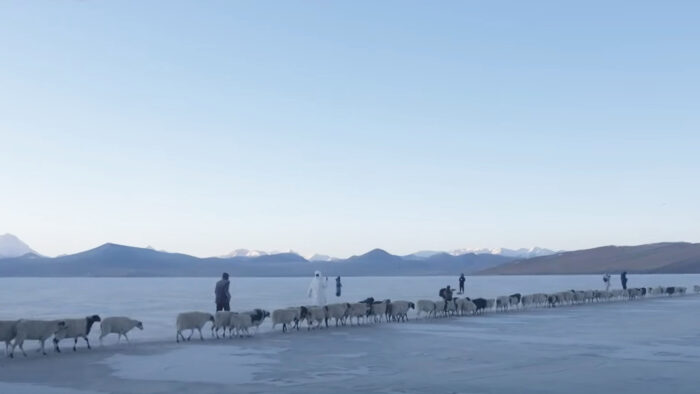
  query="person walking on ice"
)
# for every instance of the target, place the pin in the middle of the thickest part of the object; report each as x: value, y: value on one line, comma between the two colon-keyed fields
x: 317, y: 289
x: 606, y: 280
x: 462, y: 279
x: 338, y: 286
x: 222, y: 295
x: 623, y: 279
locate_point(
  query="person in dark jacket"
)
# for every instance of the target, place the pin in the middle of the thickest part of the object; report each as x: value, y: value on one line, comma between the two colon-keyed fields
x: 446, y: 294
x: 462, y: 279
x: 623, y: 279
x: 222, y: 295
x: 338, y: 285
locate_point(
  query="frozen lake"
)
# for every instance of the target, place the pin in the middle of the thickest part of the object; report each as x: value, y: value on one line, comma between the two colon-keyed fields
x: 156, y: 301
x: 643, y: 346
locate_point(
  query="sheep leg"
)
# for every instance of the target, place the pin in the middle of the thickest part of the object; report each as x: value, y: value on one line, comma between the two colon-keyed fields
x: 127, y: 340
x: 75, y: 343
x: 191, y: 333
x: 201, y: 337
x: 43, y: 350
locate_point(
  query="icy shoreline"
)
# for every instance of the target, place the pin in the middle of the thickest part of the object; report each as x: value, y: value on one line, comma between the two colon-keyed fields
x: 649, y: 346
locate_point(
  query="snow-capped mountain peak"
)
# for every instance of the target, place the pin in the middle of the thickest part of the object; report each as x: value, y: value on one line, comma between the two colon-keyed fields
x: 245, y: 253
x: 517, y: 253
x: 321, y: 257
x: 11, y: 246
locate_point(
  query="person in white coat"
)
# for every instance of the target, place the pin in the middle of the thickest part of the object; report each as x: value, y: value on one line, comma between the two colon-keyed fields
x: 317, y: 289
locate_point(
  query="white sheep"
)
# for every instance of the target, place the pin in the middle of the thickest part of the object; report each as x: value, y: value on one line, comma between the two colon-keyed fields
x: 399, y: 310
x: 119, y: 325
x: 241, y: 322
x: 285, y: 317
x: 222, y: 320
x: 378, y: 309
x: 76, y: 328
x: 426, y: 306
x: 316, y: 314
x: 502, y: 302
x: 338, y: 312
x: 465, y: 306
x: 357, y: 310
x: 257, y: 316
x: 8, y: 331
x: 36, y: 330
x: 191, y: 321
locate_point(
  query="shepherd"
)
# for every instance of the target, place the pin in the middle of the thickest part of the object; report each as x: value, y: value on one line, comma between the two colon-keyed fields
x: 222, y: 295
x: 338, y: 285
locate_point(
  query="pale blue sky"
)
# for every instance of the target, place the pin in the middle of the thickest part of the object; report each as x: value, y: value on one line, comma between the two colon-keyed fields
x: 337, y: 127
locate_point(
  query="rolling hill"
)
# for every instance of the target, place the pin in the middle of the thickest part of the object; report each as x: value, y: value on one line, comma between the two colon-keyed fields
x: 666, y: 257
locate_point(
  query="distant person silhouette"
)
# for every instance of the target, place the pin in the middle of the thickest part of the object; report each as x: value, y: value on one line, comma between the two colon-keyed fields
x: 338, y: 285
x: 222, y: 295
x: 623, y: 279
x: 462, y: 279
x: 606, y: 280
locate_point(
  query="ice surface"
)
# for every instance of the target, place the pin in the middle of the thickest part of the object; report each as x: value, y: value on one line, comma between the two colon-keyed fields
x: 649, y: 346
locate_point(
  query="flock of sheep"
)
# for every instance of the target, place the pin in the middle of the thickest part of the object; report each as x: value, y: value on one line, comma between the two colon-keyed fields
x: 15, y: 332
x: 371, y: 311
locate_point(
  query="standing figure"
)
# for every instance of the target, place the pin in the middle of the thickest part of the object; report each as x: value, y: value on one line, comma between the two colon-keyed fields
x: 446, y: 294
x: 317, y: 289
x: 623, y: 279
x: 606, y: 279
x: 222, y: 296
x: 462, y: 279
x: 338, y: 285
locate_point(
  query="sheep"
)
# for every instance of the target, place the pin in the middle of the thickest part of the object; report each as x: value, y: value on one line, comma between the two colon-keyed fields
x: 8, y: 331
x: 286, y: 316
x: 696, y: 289
x: 426, y: 306
x: 119, y: 325
x: 337, y: 312
x: 481, y: 304
x: 379, y: 308
x: 76, y: 328
x: 514, y: 300
x: 257, y: 316
x: 39, y: 330
x: 464, y: 306
x: 191, y: 321
x: 316, y: 314
x: 502, y: 302
x: 222, y: 320
x: 357, y: 310
x: 241, y: 322
x: 399, y: 310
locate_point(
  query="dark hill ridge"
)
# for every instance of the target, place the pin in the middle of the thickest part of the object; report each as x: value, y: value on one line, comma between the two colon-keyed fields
x: 113, y: 260
x: 665, y: 257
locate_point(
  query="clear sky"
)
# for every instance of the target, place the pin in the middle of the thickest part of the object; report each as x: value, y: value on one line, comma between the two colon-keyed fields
x: 338, y: 127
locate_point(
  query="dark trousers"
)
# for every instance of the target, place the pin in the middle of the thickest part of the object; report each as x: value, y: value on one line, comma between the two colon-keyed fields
x: 461, y: 287
x: 223, y: 306
x: 624, y: 285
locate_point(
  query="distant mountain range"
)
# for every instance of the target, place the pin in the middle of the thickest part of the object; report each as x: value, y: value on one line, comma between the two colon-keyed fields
x: 665, y: 257
x: 18, y: 259
x: 124, y: 261
x: 11, y: 246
